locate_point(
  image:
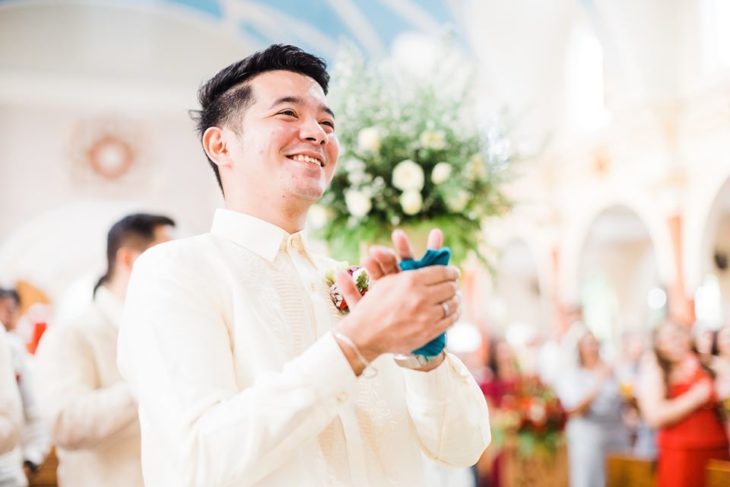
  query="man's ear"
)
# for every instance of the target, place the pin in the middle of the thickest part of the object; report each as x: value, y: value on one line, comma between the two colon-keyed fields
x: 126, y: 257
x: 216, y: 146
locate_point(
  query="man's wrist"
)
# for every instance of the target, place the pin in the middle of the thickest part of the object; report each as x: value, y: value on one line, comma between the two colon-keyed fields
x: 434, y: 363
x: 350, y: 328
x: 420, y: 362
x: 356, y: 364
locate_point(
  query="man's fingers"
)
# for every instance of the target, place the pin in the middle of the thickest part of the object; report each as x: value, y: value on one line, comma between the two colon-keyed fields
x: 375, y: 271
x: 386, y: 258
x: 435, y: 239
x: 448, y: 321
x: 347, y: 287
x: 402, y: 245
x: 436, y: 274
x: 449, y: 307
x: 438, y: 293
x: 443, y: 323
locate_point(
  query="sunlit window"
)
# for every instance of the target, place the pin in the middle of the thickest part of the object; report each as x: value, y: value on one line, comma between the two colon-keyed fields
x: 708, y: 302
x: 584, y: 80
x: 715, y: 32
x: 600, y: 307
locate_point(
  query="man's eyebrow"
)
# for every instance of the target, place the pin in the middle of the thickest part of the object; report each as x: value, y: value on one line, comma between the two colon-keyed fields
x: 299, y: 101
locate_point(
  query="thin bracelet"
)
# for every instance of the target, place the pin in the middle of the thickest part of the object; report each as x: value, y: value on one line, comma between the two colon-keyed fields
x: 369, y: 371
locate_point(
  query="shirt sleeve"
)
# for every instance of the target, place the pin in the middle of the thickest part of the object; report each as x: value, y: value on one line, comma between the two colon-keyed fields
x: 36, y: 441
x: 176, y: 352
x: 449, y: 412
x: 10, y: 406
x: 79, y: 413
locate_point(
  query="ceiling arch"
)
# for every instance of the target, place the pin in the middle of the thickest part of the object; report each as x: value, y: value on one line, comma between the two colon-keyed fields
x: 321, y: 25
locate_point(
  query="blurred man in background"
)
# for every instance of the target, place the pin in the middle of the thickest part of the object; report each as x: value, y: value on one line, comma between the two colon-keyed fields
x: 11, y: 419
x: 16, y: 466
x: 90, y: 410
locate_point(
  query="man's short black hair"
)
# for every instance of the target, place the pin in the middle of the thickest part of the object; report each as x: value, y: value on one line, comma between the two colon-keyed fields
x: 10, y: 293
x: 227, y: 93
x: 137, y: 231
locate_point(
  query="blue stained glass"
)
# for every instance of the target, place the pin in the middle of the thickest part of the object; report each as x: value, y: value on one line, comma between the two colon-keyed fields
x: 317, y: 13
x: 210, y: 7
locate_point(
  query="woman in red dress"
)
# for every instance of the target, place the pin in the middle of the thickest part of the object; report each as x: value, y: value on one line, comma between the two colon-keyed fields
x: 676, y: 396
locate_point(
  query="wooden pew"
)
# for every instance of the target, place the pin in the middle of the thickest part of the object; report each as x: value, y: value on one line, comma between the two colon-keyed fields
x: 539, y: 470
x: 628, y: 471
x: 718, y: 474
x: 46, y: 476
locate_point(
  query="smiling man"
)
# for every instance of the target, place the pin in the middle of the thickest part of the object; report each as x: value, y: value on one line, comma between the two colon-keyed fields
x: 245, y: 372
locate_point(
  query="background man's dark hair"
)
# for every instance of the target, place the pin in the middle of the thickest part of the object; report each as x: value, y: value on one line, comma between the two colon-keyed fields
x: 9, y: 293
x: 136, y: 231
x: 227, y: 93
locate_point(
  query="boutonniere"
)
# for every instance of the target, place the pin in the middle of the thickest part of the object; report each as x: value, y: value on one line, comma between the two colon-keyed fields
x: 362, y: 281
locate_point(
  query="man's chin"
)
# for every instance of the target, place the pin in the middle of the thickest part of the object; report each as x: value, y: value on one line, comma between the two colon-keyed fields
x: 308, y: 195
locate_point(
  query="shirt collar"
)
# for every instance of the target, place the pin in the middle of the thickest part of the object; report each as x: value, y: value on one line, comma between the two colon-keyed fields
x: 109, y: 305
x: 260, y: 237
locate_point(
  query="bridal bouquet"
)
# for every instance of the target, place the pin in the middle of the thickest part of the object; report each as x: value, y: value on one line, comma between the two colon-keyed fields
x: 412, y: 157
x: 533, y: 415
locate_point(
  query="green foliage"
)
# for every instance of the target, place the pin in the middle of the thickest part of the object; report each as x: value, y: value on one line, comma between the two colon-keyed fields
x: 452, y: 178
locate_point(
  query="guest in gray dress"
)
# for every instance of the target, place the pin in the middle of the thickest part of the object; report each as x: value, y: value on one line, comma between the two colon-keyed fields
x: 590, y: 396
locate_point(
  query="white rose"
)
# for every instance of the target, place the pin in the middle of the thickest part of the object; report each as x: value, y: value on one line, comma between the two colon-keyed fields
x: 358, y: 203
x: 408, y: 175
x: 318, y: 216
x: 411, y: 202
x: 441, y: 172
x: 368, y: 140
x: 359, y: 178
x: 432, y: 139
x: 353, y: 164
x: 457, y: 200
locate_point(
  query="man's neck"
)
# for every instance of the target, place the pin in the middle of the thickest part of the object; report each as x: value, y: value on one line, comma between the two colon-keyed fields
x: 290, y: 219
x: 117, y: 287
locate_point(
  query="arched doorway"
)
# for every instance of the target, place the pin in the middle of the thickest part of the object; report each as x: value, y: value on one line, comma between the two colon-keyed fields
x: 712, y: 297
x: 619, y: 286
x: 516, y: 306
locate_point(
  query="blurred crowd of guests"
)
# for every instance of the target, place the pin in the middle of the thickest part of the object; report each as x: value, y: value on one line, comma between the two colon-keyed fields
x: 666, y: 398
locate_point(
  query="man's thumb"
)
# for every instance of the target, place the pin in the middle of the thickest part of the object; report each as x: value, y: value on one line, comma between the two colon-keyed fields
x: 346, y: 286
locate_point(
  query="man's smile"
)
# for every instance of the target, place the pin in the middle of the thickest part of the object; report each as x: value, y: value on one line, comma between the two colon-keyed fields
x: 310, y: 157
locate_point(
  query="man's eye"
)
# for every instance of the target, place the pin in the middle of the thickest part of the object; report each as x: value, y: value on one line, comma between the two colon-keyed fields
x: 328, y: 124
x: 288, y: 113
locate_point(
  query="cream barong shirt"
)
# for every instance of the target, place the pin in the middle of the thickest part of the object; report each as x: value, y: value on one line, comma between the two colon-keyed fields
x: 11, y: 408
x: 89, y: 409
x: 225, y: 342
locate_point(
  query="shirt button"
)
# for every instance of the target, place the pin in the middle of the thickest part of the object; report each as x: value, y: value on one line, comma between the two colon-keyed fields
x: 341, y: 397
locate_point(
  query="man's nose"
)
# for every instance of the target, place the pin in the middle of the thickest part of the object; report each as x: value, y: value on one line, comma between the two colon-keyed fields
x: 312, y: 131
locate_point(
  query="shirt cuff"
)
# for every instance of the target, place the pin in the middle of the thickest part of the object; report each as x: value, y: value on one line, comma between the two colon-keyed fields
x: 331, y: 372
x: 34, y: 457
x: 436, y: 384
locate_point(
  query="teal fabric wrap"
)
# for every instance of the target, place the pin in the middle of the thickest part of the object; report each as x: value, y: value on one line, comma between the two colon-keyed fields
x: 431, y: 257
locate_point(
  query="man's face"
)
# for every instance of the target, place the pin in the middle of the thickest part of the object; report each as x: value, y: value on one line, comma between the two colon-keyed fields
x: 9, y: 313
x: 286, y: 145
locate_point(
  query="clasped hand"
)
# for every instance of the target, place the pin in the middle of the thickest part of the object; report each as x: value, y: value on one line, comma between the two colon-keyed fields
x: 402, y: 310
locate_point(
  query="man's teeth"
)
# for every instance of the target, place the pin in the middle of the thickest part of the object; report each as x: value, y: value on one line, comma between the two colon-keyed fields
x: 303, y: 158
